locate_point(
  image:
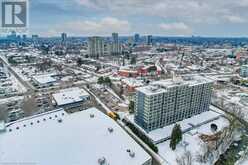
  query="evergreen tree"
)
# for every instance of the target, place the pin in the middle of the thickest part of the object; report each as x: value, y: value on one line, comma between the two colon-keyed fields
x: 131, y: 107
x: 100, y: 80
x: 176, y: 136
x: 108, y: 81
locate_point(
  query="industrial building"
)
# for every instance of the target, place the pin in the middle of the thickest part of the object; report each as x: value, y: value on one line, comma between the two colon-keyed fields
x: 88, y: 138
x: 168, y: 101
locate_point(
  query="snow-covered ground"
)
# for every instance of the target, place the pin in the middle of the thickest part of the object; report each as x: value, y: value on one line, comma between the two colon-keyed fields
x: 232, y: 101
x: 164, y: 133
x: 191, y: 145
x: 11, y: 85
x: 12, y: 99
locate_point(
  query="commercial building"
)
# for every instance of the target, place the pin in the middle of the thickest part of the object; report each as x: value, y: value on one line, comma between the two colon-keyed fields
x: 135, y: 71
x: 71, y: 96
x: 96, y: 47
x: 244, y: 71
x: 169, y: 101
x: 56, y: 138
x: 44, y: 80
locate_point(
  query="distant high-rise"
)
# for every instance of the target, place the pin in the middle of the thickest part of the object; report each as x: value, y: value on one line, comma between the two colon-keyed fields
x: 169, y: 101
x: 96, y: 47
x: 63, y: 38
x: 35, y: 37
x: 115, y: 47
x: 149, y: 40
x: 244, y: 71
x: 130, y: 40
x: 13, y: 33
x: 24, y: 36
x: 12, y: 36
x: 136, y: 38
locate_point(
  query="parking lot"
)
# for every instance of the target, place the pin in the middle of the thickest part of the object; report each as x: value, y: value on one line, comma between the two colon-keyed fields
x: 108, y: 99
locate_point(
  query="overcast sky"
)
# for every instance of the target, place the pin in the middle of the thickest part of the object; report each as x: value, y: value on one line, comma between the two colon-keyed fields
x: 227, y: 18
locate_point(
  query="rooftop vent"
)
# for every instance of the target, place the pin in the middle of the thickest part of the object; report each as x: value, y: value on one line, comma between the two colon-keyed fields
x: 102, y: 161
x: 132, y: 154
x: 60, y: 120
x: 110, y: 129
x: 154, y: 88
x: 92, y: 115
x: 213, y: 127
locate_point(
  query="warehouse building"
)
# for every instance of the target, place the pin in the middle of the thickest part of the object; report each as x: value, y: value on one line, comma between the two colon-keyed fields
x: 57, y: 138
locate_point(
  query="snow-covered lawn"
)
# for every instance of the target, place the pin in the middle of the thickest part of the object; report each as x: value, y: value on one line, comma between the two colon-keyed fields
x: 191, y: 145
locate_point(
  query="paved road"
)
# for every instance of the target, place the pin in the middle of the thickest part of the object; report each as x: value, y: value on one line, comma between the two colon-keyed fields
x: 24, y: 83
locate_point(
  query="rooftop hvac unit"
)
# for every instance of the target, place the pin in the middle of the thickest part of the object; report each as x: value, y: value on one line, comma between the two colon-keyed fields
x: 102, y: 161
x: 110, y: 129
x: 132, y: 154
x: 92, y: 115
x: 60, y: 120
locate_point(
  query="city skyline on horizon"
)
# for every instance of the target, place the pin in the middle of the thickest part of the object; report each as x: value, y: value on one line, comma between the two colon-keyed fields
x: 160, y: 18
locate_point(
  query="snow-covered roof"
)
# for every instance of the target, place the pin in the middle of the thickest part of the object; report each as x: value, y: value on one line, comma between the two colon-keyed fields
x: 191, y: 143
x: 164, y: 133
x: 133, y: 82
x: 151, y: 90
x: 81, y: 138
x: 70, y: 95
x: 161, y: 86
x: 191, y: 81
x: 44, y: 79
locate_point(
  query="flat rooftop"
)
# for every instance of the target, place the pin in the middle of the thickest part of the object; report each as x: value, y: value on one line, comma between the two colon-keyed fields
x: 70, y: 95
x: 44, y: 79
x: 190, y: 81
x: 158, y: 87
x: 151, y: 90
x: 69, y: 139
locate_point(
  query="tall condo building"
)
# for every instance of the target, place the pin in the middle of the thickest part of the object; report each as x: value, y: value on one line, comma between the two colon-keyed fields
x: 115, y: 47
x: 95, y: 47
x: 244, y: 71
x: 63, y: 38
x: 149, y: 40
x: 165, y: 102
x: 136, y: 38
